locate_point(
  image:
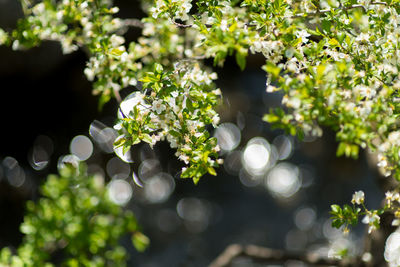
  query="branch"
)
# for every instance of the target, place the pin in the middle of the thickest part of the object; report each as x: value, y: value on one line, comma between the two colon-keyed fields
x: 267, y: 255
x: 345, y: 8
x: 300, y: 15
x: 180, y: 25
x: 133, y: 23
x: 184, y: 26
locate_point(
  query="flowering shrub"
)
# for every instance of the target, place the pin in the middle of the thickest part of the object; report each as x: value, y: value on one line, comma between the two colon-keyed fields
x: 76, y: 221
x: 336, y: 63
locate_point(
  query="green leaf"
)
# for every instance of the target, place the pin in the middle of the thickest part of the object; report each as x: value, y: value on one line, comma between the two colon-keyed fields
x: 116, y: 52
x: 271, y: 118
x: 272, y: 69
x: 119, y: 142
x: 337, y: 223
x: 158, y: 68
x: 147, y: 138
x: 104, y: 98
x: 341, y: 149
x: 125, y: 149
x: 336, y: 209
x: 333, y: 42
x: 196, y: 180
x: 140, y: 241
x: 212, y: 171
x: 241, y: 60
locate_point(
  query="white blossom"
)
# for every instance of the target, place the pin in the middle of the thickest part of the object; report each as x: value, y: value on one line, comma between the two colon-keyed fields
x: 372, y: 219
x: 392, y: 249
x: 358, y: 198
x: 303, y: 34
x: 158, y: 106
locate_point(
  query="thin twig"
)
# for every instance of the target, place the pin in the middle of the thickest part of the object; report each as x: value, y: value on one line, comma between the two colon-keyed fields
x: 117, y: 96
x: 180, y: 25
x: 133, y: 23
x: 345, y: 8
x: 267, y: 255
x: 184, y: 26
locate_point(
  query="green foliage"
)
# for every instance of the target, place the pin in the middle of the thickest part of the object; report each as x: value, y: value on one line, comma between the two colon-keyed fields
x: 336, y: 66
x: 335, y: 62
x: 75, y: 223
x: 344, y: 216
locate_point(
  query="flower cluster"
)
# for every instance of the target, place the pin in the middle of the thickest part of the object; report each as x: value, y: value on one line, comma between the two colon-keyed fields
x: 72, y: 23
x: 392, y: 249
x: 173, y: 9
x: 349, y: 215
x: 372, y: 219
x: 177, y: 106
x: 358, y: 198
x: 75, y: 214
x: 335, y: 63
x: 3, y: 37
x: 343, y: 74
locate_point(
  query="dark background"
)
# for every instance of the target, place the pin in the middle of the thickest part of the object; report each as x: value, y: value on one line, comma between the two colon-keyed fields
x: 44, y: 92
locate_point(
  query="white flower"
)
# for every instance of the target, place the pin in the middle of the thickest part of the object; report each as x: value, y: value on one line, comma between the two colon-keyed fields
x: 224, y: 25
x: 394, y: 137
x: 303, y: 34
x: 215, y: 120
x: 363, y: 37
x: 184, y: 158
x: 271, y: 88
x: 358, y: 197
x: 149, y: 29
x: 3, y: 36
x: 396, y: 222
x: 158, y: 106
x: 89, y: 74
x: 187, y: 6
x: 294, y: 102
x: 155, y: 138
x: 217, y: 91
x: 38, y: 9
x: 114, y: 10
x: 136, y: 99
x: 392, y: 249
x: 124, y: 57
x: 372, y: 219
x: 382, y: 162
x: 389, y: 195
x: 172, y: 141
x: 366, y: 91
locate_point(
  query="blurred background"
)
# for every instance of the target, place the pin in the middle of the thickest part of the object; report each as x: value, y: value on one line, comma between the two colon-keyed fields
x: 272, y: 190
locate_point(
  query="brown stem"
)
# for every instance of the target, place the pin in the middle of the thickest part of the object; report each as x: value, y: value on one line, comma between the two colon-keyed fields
x: 133, y: 23
x: 311, y: 14
x: 180, y: 25
x: 267, y: 255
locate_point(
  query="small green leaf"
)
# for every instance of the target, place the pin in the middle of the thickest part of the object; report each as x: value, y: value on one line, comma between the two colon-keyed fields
x: 212, y: 171
x: 196, y: 180
x: 119, y: 142
x: 158, y: 68
x: 336, y: 209
x: 271, y: 118
x: 125, y: 149
x: 147, y: 138
x: 116, y: 52
x: 140, y: 241
x: 241, y: 60
x: 333, y: 42
x: 337, y: 223
x: 272, y: 69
